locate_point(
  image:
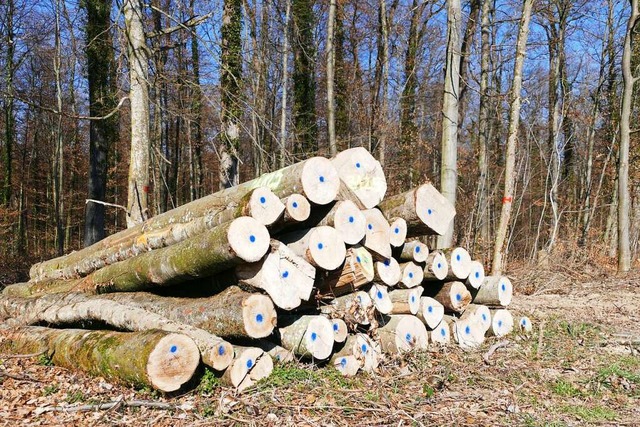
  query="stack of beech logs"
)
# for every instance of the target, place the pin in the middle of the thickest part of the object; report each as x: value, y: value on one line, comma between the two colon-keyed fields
x: 308, y: 262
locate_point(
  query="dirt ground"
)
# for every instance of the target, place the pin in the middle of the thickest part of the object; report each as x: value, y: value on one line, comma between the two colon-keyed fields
x: 580, y: 366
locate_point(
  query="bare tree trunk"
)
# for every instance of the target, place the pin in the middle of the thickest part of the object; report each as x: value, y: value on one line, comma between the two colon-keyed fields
x: 449, y: 146
x: 138, y: 187
x: 514, y: 121
x: 282, y: 146
x: 465, y: 52
x: 331, y: 62
x: 482, y: 211
x: 624, y: 251
x: 58, y: 158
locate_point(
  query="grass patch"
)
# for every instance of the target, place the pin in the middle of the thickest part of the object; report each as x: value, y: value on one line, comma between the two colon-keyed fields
x: 287, y: 375
x: 50, y: 389
x: 565, y: 388
x: 591, y: 414
x: 208, y: 383
x: 75, y: 397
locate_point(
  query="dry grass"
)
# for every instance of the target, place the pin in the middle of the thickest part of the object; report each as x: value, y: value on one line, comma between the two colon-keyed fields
x: 579, y: 367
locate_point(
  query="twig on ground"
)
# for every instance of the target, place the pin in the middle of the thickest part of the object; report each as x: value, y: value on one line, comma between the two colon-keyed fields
x: 22, y: 356
x: 492, y: 349
x: 106, y: 406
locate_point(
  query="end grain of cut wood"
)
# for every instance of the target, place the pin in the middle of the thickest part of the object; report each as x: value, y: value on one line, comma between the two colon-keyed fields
x: 412, y: 275
x: 494, y: 291
x: 478, y: 313
x: 436, y: 267
x: 402, y: 332
x: 454, y: 296
x: 459, y: 262
x: 501, y: 323
x: 380, y: 298
x: 413, y: 250
x: 363, y: 174
x: 321, y: 246
x: 430, y: 312
x: 476, y: 275
x: 441, y: 334
x: 308, y: 336
x: 406, y: 301
x: 388, y: 272
x: 377, y: 234
x: 398, y: 232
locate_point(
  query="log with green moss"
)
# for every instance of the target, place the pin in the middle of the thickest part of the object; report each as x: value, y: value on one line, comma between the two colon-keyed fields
x: 158, y: 359
x: 70, y: 309
x: 241, y: 240
x: 233, y: 313
x: 161, y: 231
x: 424, y: 209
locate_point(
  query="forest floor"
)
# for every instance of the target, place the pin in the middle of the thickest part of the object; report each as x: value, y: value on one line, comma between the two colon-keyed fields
x: 580, y: 366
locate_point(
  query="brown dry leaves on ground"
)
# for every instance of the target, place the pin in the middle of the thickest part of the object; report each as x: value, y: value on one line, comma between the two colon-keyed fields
x: 580, y: 366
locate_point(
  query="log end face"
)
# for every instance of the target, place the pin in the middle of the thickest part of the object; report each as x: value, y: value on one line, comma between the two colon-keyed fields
x: 476, y: 275
x: 363, y: 174
x: 420, y: 252
x: 439, y: 266
x: 319, y: 337
x: 431, y: 312
x: 380, y: 298
x: 350, y: 222
x: 388, y: 271
x: 433, y: 209
x: 501, y: 323
x: 326, y: 248
x: 505, y: 291
x: 265, y: 206
x: 248, y: 238
x: 460, y: 263
x: 218, y: 357
x: 298, y: 207
x: 259, y: 316
x: 377, y: 233
x: 414, y: 299
x: 340, y: 330
x: 172, y: 362
x: 411, y: 334
x: 441, y: 334
x: 525, y: 325
x: 365, y: 260
x: 460, y: 297
x: 398, y: 232
x: 347, y: 365
x: 412, y: 275
x: 320, y: 180
x: 468, y: 334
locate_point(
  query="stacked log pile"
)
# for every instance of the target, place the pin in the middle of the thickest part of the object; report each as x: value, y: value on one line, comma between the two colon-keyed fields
x: 309, y: 262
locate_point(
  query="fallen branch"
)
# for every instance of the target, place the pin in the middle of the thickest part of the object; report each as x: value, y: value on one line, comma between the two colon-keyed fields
x: 106, y: 406
x: 493, y: 349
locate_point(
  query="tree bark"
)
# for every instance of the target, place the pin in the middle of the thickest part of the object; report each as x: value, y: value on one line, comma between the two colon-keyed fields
x: 138, y: 187
x: 514, y: 121
x: 162, y: 360
x: 231, y: 87
x: 102, y: 100
x: 449, y: 149
x: 331, y: 62
x: 624, y: 248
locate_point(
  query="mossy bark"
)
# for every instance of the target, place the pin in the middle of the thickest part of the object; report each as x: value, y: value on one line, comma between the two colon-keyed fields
x: 122, y: 356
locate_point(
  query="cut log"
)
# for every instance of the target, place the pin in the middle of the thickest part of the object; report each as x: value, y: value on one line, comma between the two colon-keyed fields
x: 296, y: 209
x: 321, y: 246
x: 525, y: 325
x: 398, y: 232
x: 441, y: 334
x: 362, y: 174
x: 412, y: 275
x: 232, y: 243
x: 340, y: 330
x: 377, y: 234
x: 347, y: 219
x: 413, y: 250
x: 161, y: 360
x: 425, y: 210
x: 401, y: 333
x: 479, y: 314
x: 436, y: 267
x: 476, y: 275
x: 495, y: 291
x: 501, y: 323
x: 61, y: 309
x: 405, y: 301
x: 285, y: 276
x: 360, y: 346
x: 277, y: 353
x: 467, y: 333
x: 250, y: 365
x: 348, y: 365
x: 459, y: 262
x: 233, y: 313
x: 388, y: 272
x: 430, y: 312
x: 161, y: 231
x: 308, y: 336
x: 354, y: 309
x: 380, y: 298
x: 454, y: 296
x: 356, y: 272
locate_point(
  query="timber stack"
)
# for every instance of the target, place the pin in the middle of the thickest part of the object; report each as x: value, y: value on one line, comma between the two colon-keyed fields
x: 309, y: 262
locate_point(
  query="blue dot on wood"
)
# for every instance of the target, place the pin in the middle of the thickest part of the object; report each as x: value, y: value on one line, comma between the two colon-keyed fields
x: 321, y: 178
x: 458, y: 297
x: 173, y: 349
x: 221, y: 350
x: 351, y: 219
x: 413, y: 298
x: 320, y: 246
x: 410, y: 275
x: 397, y: 230
x: 314, y: 336
x: 467, y: 330
x: 439, y: 266
x: 252, y: 238
x: 379, y: 295
x: 285, y: 274
x: 295, y: 205
x: 484, y: 317
x: 499, y: 323
x: 430, y: 309
x: 358, y: 258
x: 429, y: 211
x: 458, y: 257
x: 417, y: 248
x: 335, y: 327
x: 249, y: 363
x: 358, y: 165
x: 363, y: 348
x: 503, y: 287
x: 259, y: 318
x: 443, y: 332
x: 408, y: 337
x: 387, y: 262
x: 370, y: 227
x: 343, y: 362
x: 263, y: 199
x: 477, y: 274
